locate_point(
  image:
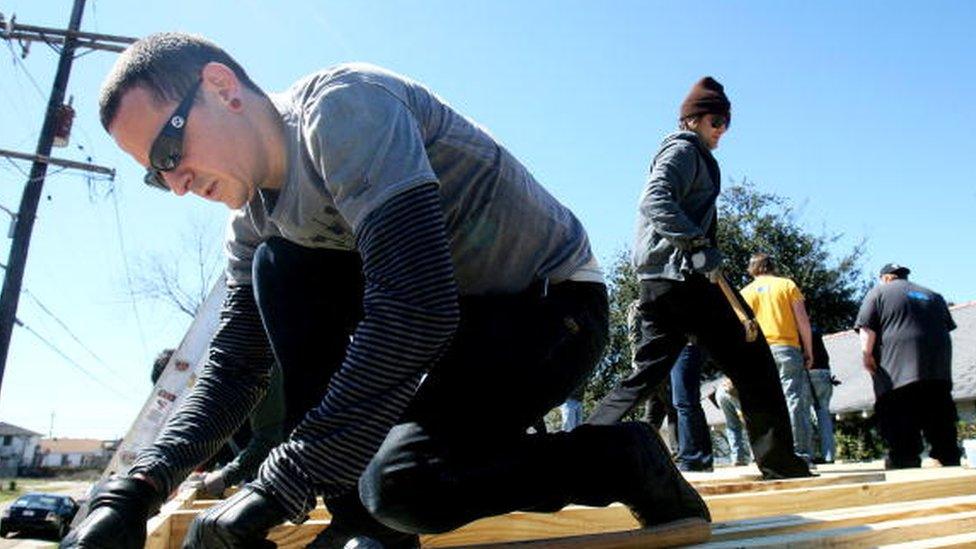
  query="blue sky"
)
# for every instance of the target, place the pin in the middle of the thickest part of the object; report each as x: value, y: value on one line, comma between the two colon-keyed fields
x: 861, y: 113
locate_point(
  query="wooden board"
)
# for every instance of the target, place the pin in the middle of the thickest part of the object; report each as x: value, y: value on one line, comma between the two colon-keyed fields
x: 863, y: 535
x: 732, y: 486
x: 859, y: 507
x: 837, y: 518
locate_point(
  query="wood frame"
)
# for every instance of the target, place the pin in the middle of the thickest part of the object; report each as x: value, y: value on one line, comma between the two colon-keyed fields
x: 853, y: 505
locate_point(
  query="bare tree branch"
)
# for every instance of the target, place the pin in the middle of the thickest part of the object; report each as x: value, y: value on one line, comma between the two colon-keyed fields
x: 166, y: 277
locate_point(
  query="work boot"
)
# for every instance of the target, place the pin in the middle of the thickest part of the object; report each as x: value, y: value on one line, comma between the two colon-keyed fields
x: 662, y: 494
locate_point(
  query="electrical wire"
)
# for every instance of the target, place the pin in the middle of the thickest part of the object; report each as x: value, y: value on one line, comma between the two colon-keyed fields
x: 72, y: 334
x: 32, y: 179
x: 70, y: 360
x: 23, y: 66
x: 128, y: 273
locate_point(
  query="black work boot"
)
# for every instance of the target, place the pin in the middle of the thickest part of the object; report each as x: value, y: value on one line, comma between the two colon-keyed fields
x: 661, y: 494
x: 352, y: 527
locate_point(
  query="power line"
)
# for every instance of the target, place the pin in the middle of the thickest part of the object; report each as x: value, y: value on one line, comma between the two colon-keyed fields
x: 128, y: 272
x: 70, y: 360
x: 72, y: 334
x: 20, y: 63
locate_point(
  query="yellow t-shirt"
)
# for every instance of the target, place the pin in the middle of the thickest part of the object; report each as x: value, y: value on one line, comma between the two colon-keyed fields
x: 772, y: 298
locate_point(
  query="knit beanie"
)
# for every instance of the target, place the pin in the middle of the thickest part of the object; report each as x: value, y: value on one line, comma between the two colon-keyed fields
x: 707, y: 96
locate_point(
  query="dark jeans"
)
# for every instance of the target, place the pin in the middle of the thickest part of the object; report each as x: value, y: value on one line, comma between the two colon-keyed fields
x: 661, y: 406
x: 906, y: 413
x: 694, y: 439
x: 310, y: 302
x: 671, y: 311
x: 461, y: 451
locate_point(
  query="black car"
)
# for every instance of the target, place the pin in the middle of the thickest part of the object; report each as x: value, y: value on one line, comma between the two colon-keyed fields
x: 36, y: 512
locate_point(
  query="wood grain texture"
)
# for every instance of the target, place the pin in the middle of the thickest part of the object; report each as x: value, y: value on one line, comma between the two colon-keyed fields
x: 859, y: 507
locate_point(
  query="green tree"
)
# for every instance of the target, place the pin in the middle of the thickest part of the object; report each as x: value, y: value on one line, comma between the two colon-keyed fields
x: 752, y: 221
x: 615, y: 365
x: 749, y: 221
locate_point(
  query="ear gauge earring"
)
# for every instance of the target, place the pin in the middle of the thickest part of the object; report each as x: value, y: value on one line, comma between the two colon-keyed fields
x: 235, y: 103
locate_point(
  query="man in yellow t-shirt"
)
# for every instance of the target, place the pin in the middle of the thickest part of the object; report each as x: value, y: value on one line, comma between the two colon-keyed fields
x: 778, y: 305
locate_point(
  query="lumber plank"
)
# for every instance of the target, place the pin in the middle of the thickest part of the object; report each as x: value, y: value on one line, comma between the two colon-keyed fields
x: 297, y: 536
x: 732, y: 486
x: 764, y: 504
x: 159, y: 527
x: 578, y: 520
x: 864, y: 535
x: 862, y: 501
x: 670, y: 535
x: 967, y: 539
x: 836, y: 518
x: 292, y: 536
x: 179, y: 523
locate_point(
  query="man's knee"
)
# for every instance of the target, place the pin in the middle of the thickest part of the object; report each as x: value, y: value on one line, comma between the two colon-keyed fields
x: 406, y: 490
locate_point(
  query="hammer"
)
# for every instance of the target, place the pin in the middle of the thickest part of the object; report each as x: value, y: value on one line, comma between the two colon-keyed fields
x: 742, y: 311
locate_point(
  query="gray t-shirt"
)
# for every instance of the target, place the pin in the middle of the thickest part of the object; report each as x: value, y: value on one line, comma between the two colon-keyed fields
x: 358, y: 135
x: 912, y: 324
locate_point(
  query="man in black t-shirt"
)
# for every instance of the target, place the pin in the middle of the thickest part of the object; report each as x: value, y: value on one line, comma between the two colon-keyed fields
x: 905, y: 343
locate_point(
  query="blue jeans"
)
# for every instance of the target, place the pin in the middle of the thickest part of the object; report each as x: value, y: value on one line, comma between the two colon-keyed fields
x: 823, y: 390
x: 734, y: 429
x: 694, y: 440
x: 572, y: 412
x: 796, y: 388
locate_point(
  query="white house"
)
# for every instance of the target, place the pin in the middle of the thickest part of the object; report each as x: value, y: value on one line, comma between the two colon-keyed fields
x: 16, y: 448
x: 71, y: 453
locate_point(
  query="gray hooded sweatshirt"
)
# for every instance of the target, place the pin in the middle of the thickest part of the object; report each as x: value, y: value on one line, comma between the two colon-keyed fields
x: 676, y: 207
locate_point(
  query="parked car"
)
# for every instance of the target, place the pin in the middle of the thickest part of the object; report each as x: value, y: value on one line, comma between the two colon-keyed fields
x: 37, y: 512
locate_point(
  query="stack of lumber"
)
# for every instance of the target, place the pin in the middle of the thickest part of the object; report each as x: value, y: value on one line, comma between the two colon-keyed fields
x: 849, y: 505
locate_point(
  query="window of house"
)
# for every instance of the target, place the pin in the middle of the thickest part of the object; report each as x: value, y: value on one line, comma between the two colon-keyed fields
x: 7, y: 440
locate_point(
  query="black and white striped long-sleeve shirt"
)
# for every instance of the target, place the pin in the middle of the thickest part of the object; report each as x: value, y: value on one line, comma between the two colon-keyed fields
x: 410, y: 315
x: 410, y: 310
x: 232, y: 382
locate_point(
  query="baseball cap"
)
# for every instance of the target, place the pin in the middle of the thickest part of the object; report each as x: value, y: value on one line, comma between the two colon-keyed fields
x: 894, y: 268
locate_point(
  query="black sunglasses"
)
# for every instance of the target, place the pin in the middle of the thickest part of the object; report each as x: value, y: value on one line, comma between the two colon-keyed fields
x: 719, y: 120
x: 166, y: 151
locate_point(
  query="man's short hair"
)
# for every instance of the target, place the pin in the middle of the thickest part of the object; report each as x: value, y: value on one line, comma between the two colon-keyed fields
x: 167, y: 65
x: 761, y: 264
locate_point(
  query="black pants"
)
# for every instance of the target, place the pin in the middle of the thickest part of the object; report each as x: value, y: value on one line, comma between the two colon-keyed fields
x: 462, y: 452
x: 310, y: 302
x: 920, y: 408
x: 670, y: 312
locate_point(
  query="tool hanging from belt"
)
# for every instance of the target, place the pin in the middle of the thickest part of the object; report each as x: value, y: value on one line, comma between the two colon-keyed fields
x: 742, y: 311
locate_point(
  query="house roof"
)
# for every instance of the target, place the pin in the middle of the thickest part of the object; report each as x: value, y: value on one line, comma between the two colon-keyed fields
x: 8, y: 429
x: 70, y: 446
x: 856, y: 392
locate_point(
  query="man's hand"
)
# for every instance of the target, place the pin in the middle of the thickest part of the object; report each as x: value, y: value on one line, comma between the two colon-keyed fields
x: 808, y: 361
x: 242, y: 521
x: 869, y: 364
x: 214, y: 483
x: 117, y: 517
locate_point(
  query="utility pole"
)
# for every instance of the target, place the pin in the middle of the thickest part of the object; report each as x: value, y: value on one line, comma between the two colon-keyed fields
x: 70, y: 40
x: 24, y: 224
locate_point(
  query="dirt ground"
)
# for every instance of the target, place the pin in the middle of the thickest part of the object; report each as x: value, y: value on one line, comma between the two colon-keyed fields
x: 74, y: 488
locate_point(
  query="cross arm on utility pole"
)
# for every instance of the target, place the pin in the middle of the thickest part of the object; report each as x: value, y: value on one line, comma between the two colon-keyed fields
x: 11, y: 30
x: 59, y: 162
